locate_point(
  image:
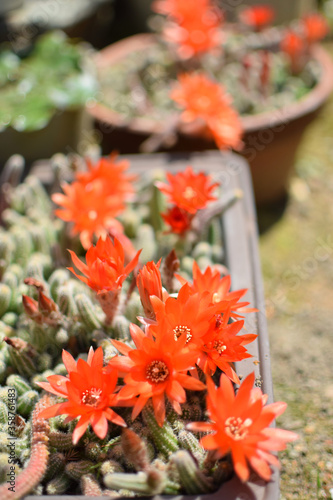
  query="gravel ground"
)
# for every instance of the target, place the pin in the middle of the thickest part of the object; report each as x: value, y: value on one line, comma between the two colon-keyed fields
x: 297, y: 264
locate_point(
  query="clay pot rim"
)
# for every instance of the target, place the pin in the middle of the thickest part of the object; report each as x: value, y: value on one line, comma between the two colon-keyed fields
x: 269, y: 119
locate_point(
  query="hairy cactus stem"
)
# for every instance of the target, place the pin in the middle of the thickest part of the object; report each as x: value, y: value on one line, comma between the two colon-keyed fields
x: 36, y: 468
x: 170, y: 265
x: 90, y: 486
x: 135, y: 449
x: 109, y: 301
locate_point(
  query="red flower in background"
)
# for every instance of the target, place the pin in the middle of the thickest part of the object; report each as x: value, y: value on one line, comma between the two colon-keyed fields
x: 315, y: 27
x: 205, y: 100
x: 187, y: 190
x: 178, y: 219
x: 155, y: 369
x: 258, y: 16
x: 89, y: 391
x: 240, y: 425
x: 105, y: 269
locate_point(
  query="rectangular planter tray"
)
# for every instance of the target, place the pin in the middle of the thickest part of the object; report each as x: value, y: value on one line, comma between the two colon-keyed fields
x: 242, y: 259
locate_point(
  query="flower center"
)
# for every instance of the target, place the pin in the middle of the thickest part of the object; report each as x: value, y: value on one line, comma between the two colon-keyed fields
x: 91, y: 397
x: 182, y: 329
x: 189, y: 193
x: 157, y: 371
x: 219, y: 346
x: 92, y: 214
x: 236, y: 428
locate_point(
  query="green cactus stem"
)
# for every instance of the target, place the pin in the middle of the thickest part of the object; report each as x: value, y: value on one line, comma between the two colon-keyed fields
x: 26, y: 402
x: 90, y: 486
x: 76, y: 470
x: 56, y: 465
x: 19, y: 383
x: 189, y: 442
x: 191, y: 478
x: 146, y: 233
x: 163, y: 437
x: 58, y: 485
x: 87, y: 312
x: 120, y: 326
x: 151, y: 483
x: 61, y: 440
x: 31, y: 476
x: 5, y: 298
x: 21, y: 356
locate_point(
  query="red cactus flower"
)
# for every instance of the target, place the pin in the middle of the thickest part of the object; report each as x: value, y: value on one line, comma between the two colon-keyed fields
x: 258, y: 16
x: 90, y: 393
x: 189, y: 191
x: 178, y: 219
x: 239, y: 424
x: 205, y: 100
x: 315, y: 27
x: 155, y: 369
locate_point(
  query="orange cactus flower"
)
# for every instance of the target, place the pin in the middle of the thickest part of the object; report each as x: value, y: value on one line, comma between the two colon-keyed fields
x: 195, y: 27
x: 90, y: 392
x: 149, y: 283
x: 95, y: 198
x: 188, y: 190
x: 240, y: 426
x: 105, y: 269
x: 258, y: 16
x: 218, y: 289
x: 180, y: 9
x: 315, y: 27
x: 224, y: 346
x: 105, y: 272
x: 189, y: 315
x: 207, y: 101
x: 155, y: 369
x: 178, y: 219
x: 111, y: 175
x: 88, y: 209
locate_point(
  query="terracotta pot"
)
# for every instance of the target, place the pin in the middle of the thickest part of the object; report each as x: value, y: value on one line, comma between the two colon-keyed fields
x: 242, y: 259
x: 271, y: 139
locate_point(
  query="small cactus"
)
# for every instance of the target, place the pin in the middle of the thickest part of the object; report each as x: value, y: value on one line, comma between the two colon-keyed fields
x: 163, y: 437
x: 190, y: 475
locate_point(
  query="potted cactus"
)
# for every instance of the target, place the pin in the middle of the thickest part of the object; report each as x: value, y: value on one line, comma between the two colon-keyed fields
x: 154, y: 87
x: 128, y: 365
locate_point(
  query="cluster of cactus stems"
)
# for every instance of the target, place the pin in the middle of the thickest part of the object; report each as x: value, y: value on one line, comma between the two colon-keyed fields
x: 60, y: 312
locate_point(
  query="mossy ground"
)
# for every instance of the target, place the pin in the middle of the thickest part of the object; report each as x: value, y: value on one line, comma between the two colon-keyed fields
x: 297, y: 263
